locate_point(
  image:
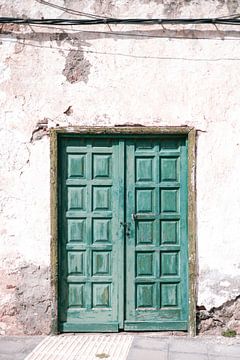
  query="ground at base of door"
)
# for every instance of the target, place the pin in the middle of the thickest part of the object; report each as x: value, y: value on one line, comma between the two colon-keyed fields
x: 119, y: 347
x: 18, y: 347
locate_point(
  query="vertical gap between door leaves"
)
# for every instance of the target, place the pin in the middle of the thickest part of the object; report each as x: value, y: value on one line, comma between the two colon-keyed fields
x: 125, y: 238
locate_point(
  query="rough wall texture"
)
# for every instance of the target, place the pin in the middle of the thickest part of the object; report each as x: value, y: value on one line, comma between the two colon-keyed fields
x: 217, y: 320
x: 107, y: 76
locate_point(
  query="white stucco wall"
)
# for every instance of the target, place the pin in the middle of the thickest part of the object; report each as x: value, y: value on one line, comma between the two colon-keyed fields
x: 127, y: 74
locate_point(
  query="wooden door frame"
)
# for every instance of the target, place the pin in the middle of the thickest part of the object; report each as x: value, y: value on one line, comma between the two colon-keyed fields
x: 190, y: 134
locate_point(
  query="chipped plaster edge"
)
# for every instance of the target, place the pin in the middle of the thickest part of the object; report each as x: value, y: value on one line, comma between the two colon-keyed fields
x: 124, y: 130
x: 177, y: 130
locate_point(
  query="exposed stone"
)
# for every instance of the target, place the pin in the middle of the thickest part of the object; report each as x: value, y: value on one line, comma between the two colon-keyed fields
x: 232, y: 6
x: 77, y: 68
x: 234, y: 325
x: 29, y: 307
x: 237, y: 315
x: 225, y: 316
x: 9, y: 28
x: 207, y: 324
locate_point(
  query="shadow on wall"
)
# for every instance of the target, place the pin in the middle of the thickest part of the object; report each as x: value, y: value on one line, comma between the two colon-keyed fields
x: 74, y: 45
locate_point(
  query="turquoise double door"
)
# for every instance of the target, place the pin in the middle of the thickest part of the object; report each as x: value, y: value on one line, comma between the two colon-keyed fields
x: 122, y: 229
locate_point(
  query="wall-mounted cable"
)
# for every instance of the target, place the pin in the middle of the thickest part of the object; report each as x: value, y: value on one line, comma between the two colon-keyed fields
x: 233, y: 20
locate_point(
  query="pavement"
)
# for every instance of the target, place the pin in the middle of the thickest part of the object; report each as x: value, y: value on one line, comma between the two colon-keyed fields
x: 17, y: 347
x: 139, y: 347
x: 184, y: 348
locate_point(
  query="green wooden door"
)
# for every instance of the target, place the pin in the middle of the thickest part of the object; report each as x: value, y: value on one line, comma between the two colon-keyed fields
x: 91, y: 249
x: 123, y: 259
x: 156, y: 245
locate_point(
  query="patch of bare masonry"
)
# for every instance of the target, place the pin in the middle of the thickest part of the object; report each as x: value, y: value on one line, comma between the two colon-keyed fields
x: 214, y: 321
x: 28, y: 309
x: 77, y: 67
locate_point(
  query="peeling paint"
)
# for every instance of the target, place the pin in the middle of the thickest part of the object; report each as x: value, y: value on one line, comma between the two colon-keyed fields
x: 135, y: 76
x: 68, y: 111
x: 41, y: 130
x: 25, y: 301
x: 77, y: 67
x: 5, y: 72
x: 233, y: 6
x: 120, y: 9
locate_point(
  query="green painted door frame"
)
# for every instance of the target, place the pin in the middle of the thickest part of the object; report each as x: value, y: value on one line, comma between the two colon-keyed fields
x: 142, y: 186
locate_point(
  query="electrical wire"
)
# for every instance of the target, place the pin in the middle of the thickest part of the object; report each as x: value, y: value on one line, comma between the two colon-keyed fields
x: 70, y: 11
x: 98, y: 21
x: 77, y: 12
x: 117, y: 54
x: 95, y: 16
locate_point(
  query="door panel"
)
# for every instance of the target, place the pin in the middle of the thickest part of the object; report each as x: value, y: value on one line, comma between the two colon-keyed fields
x: 91, y: 249
x: 156, y: 264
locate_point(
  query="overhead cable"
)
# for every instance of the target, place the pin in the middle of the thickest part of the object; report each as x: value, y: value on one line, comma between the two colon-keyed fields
x: 233, y: 20
x: 70, y: 11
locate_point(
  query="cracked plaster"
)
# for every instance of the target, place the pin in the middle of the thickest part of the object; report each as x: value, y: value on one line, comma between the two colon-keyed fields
x: 133, y: 79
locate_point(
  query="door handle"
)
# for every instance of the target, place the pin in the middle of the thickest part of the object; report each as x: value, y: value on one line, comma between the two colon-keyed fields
x: 134, y: 217
x: 126, y: 228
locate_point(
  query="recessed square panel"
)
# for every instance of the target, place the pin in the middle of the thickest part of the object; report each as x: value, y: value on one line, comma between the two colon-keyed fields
x: 102, y: 166
x: 101, y: 261
x: 144, y: 145
x: 76, y: 295
x: 144, y: 169
x: 145, y: 232
x: 169, y: 200
x: 145, y: 264
x: 78, y: 146
x: 169, y: 232
x: 169, y: 295
x: 169, y: 264
x: 76, y: 166
x: 169, y: 169
x: 102, y: 230
x: 102, y: 143
x: 145, y: 295
x: 101, y: 198
x: 144, y: 200
x: 77, y: 230
x: 170, y: 145
x: 76, y: 262
x: 101, y: 295
x: 76, y: 198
